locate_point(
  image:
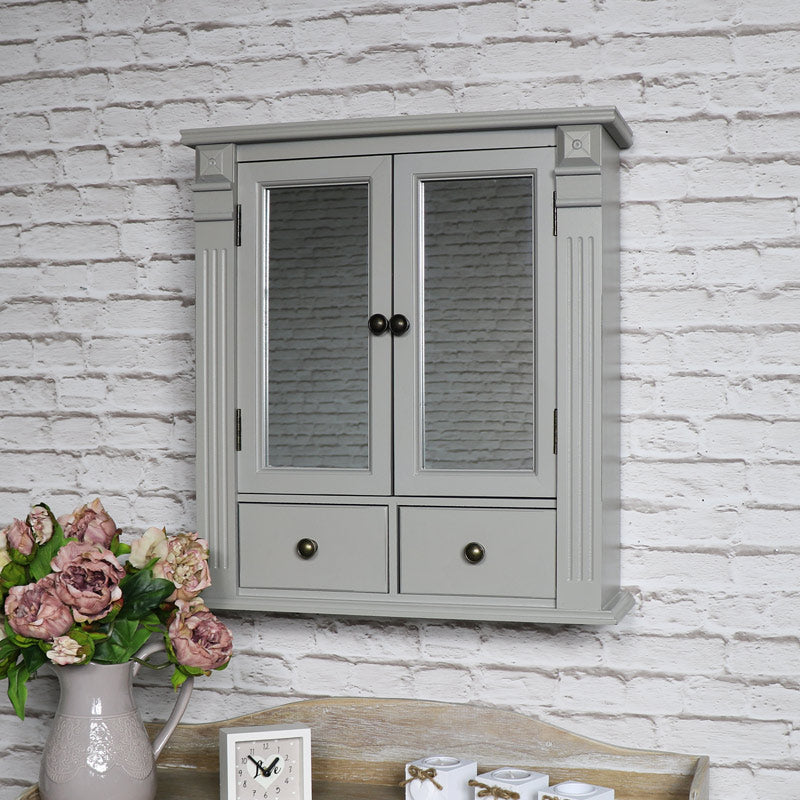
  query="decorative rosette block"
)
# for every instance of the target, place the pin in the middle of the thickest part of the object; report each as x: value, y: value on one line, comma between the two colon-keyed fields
x: 509, y: 783
x: 576, y: 790
x: 440, y: 778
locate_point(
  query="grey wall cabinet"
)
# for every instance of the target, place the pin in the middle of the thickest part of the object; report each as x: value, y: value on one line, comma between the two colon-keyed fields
x: 407, y: 365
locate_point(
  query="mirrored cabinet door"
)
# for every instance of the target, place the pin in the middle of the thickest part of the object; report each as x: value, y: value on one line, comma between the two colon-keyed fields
x: 313, y: 380
x: 475, y: 373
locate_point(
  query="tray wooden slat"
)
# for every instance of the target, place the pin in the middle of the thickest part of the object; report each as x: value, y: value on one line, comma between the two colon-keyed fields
x: 360, y: 745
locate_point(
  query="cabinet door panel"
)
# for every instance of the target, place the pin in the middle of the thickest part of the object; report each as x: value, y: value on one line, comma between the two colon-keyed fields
x: 314, y: 384
x: 518, y: 558
x: 351, y: 542
x: 475, y: 376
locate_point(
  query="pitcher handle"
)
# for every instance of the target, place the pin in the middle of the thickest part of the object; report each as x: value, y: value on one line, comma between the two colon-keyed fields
x: 180, y: 704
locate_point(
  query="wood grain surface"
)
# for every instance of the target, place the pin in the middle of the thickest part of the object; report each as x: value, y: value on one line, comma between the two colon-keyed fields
x: 360, y: 746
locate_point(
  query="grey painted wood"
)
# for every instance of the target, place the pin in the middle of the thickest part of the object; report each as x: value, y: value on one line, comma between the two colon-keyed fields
x: 582, y: 164
x: 215, y: 360
x: 607, y: 116
x: 411, y: 477
x: 587, y: 334
x: 433, y: 142
x: 351, y: 542
x: 519, y: 552
x: 254, y: 474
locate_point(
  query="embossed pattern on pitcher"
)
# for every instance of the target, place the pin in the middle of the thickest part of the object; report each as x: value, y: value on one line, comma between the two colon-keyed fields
x: 100, y: 745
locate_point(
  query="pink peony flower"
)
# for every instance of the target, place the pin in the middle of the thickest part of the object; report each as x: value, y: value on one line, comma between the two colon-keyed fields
x: 66, y: 650
x: 87, y: 579
x: 186, y: 565
x: 20, y: 537
x: 89, y: 523
x: 41, y: 523
x: 36, y: 610
x: 198, y: 638
x: 151, y: 544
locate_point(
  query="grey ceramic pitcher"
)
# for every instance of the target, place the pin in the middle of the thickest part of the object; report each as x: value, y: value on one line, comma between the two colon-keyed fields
x: 98, y: 747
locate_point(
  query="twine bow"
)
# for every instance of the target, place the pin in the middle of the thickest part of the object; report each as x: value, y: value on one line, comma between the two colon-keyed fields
x: 417, y: 774
x: 498, y: 792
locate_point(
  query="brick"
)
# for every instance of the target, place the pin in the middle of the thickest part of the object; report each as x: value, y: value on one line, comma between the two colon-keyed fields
x: 682, y: 138
x: 688, y: 655
x: 366, y: 31
x: 17, y: 21
x: 515, y: 688
x: 733, y: 221
x: 777, y: 656
x: 17, y: 59
x: 695, y: 483
x: 664, y: 54
x: 446, y: 683
x: 24, y: 169
x: 659, y: 437
x: 87, y: 165
x: 122, y: 121
x: 486, y: 20
x: 723, y: 739
x: 58, y: 353
x: 72, y: 124
x: 124, y: 15
x: 163, y: 45
x: 671, y: 571
x: 766, y: 135
x: 64, y: 242
x: 422, y: 25
x: 117, y: 49
x: 15, y: 354
x: 63, y: 54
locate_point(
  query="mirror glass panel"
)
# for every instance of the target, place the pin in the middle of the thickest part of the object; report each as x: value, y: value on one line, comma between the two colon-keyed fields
x: 477, y: 267
x: 316, y: 260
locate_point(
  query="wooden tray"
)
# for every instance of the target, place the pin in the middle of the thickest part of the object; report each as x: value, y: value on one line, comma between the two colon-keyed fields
x: 360, y: 746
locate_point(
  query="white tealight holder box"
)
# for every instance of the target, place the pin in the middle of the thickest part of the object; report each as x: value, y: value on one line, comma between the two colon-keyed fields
x: 452, y: 774
x: 522, y: 781
x: 576, y: 790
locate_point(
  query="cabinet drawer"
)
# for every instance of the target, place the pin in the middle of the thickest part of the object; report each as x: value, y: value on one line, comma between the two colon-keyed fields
x: 519, y: 556
x: 351, y: 554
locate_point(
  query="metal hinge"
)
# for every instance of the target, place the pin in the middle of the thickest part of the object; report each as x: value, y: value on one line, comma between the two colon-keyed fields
x: 555, y: 431
x: 555, y: 216
x: 238, y: 429
x: 239, y: 225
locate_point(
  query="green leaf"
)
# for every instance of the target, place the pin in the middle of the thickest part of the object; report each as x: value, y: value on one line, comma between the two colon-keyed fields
x: 8, y: 648
x: 178, y: 678
x: 124, y: 640
x: 142, y: 594
x: 40, y: 566
x: 33, y: 658
x: 119, y: 548
x: 14, y: 574
x: 21, y: 558
x: 17, y: 690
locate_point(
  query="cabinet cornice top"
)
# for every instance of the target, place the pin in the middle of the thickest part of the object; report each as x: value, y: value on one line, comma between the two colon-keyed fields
x: 607, y: 116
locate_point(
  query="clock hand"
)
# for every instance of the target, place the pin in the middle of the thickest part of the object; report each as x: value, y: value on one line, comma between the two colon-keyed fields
x: 268, y: 770
x: 259, y: 766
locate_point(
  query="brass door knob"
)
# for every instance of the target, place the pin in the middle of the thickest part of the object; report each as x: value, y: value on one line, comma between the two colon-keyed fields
x: 307, y: 548
x: 474, y: 552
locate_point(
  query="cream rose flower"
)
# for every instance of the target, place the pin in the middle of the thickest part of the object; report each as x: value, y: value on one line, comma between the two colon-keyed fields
x: 151, y: 544
x: 66, y: 650
x: 41, y: 523
x: 186, y: 565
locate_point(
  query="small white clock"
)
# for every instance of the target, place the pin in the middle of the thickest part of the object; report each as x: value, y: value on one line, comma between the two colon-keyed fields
x: 265, y: 762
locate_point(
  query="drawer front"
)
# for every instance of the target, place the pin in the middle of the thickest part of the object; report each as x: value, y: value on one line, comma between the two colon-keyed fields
x: 519, y: 552
x: 351, y: 554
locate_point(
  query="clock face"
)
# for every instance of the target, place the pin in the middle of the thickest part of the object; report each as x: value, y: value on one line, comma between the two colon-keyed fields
x: 268, y: 768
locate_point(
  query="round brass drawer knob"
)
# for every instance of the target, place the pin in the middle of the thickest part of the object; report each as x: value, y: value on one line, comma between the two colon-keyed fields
x: 307, y: 548
x: 474, y: 552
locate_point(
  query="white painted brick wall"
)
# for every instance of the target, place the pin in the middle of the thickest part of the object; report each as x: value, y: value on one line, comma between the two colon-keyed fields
x: 96, y: 333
